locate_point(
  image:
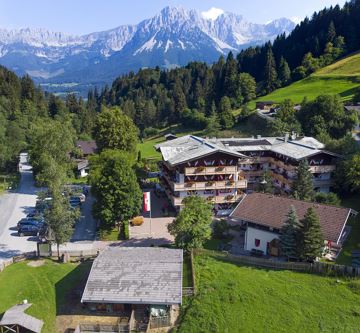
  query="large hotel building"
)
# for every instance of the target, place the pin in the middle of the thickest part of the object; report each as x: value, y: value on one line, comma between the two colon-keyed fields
x: 221, y: 170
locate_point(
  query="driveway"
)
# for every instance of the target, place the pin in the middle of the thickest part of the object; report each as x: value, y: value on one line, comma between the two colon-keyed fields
x: 15, y: 205
x: 154, y: 230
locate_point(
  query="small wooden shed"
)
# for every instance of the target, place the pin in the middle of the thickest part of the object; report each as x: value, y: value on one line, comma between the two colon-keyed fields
x: 15, y: 320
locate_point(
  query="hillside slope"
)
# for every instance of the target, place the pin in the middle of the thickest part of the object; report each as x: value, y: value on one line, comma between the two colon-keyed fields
x: 341, y: 77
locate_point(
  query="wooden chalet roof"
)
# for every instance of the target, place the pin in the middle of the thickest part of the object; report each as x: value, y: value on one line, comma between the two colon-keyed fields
x: 271, y: 211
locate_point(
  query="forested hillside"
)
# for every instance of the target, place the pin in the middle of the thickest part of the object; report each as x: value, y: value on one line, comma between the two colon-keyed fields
x: 27, y: 114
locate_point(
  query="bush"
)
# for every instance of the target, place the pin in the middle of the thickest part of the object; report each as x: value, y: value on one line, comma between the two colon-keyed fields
x: 150, y: 131
x: 126, y: 230
x: 219, y: 229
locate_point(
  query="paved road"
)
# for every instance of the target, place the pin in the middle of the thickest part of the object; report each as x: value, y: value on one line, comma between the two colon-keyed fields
x: 14, y: 206
x: 85, y: 229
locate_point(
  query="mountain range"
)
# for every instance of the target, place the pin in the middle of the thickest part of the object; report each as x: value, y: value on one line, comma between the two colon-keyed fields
x: 173, y: 37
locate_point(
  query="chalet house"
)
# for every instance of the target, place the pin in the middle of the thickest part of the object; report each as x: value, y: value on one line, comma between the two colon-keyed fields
x: 138, y: 283
x: 264, y: 105
x: 262, y: 216
x: 221, y: 170
x: 87, y: 149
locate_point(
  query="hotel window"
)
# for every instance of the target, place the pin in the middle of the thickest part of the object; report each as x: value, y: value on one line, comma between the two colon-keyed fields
x: 257, y: 242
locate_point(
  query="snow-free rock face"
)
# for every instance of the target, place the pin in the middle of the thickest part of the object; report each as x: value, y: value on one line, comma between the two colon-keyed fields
x: 171, y: 38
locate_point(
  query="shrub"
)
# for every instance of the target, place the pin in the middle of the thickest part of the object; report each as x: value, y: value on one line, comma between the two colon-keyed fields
x: 126, y: 230
x: 219, y: 228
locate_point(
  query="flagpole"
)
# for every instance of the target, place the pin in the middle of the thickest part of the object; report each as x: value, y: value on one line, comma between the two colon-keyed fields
x: 150, y: 213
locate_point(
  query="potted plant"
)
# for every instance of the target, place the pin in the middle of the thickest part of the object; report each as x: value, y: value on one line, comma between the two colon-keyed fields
x: 200, y: 169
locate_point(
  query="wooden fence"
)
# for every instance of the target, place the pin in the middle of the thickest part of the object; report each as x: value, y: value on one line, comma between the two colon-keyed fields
x: 316, y: 267
x: 21, y: 257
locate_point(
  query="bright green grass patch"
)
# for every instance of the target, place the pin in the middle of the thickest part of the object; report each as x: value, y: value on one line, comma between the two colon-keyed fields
x: 9, y: 181
x: 109, y: 235
x: 46, y: 287
x: 347, y: 66
x: 313, y: 86
x: 234, y: 298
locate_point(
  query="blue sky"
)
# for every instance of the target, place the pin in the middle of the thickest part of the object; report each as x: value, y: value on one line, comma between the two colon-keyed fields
x: 85, y: 16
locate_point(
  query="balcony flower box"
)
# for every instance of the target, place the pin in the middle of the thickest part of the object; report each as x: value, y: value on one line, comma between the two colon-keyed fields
x: 200, y: 169
x: 229, y: 197
x: 219, y: 169
x: 210, y: 183
x: 189, y: 184
x: 230, y: 182
x: 210, y: 198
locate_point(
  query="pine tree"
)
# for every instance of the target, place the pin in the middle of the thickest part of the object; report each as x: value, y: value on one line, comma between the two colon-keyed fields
x: 284, y: 72
x: 226, y: 117
x: 289, y: 234
x: 213, y: 125
x: 311, y: 238
x: 270, y: 74
x: 303, y: 185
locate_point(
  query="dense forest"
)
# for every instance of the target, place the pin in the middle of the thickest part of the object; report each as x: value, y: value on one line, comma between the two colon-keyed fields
x: 27, y: 115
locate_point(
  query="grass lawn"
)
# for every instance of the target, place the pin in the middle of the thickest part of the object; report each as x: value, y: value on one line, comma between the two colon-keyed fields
x: 353, y: 242
x: 313, y: 86
x: 342, y: 77
x: 46, y: 287
x: 8, y: 181
x: 109, y: 235
x: 234, y: 298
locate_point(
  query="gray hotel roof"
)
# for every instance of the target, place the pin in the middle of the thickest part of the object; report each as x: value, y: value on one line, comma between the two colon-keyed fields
x: 136, y: 275
x: 190, y: 147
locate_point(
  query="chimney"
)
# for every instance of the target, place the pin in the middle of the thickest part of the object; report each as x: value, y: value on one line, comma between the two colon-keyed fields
x: 286, y: 138
x: 258, y: 137
x: 293, y: 135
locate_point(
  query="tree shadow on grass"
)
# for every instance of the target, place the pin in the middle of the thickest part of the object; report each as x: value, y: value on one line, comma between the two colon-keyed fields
x: 69, y: 289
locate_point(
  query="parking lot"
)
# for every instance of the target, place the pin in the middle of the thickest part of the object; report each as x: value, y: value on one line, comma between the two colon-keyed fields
x: 16, y: 204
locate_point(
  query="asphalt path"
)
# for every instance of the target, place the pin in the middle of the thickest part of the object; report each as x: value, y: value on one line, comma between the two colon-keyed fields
x: 14, y: 205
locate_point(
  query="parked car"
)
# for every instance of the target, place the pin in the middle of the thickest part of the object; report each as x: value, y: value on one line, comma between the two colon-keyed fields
x: 30, y: 230
x: 30, y: 221
x: 75, y: 202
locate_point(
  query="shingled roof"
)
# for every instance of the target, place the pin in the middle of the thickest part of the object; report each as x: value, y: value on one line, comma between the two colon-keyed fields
x: 271, y: 211
x: 16, y: 316
x: 87, y: 147
x: 136, y: 275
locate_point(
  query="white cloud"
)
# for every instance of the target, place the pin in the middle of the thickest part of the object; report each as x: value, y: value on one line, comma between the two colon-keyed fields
x: 212, y: 14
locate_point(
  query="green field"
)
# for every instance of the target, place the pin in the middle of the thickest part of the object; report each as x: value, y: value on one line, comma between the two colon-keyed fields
x: 234, y: 298
x: 9, y: 181
x: 47, y: 287
x: 342, y: 78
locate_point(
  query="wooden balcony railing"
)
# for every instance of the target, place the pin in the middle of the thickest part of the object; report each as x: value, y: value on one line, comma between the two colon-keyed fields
x: 210, y: 170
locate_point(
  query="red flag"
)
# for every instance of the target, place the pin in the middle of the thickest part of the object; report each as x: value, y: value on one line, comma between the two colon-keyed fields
x: 147, y: 202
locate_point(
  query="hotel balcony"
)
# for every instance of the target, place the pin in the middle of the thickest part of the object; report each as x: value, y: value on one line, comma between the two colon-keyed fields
x: 211, y: 199
x: 322, y: 168
x: 210, y: 170
x: 208, y: 185
x: 322, y: 182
